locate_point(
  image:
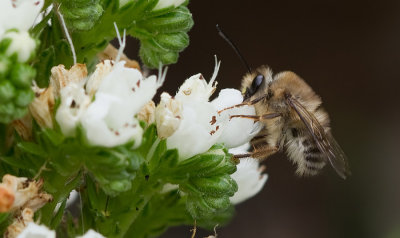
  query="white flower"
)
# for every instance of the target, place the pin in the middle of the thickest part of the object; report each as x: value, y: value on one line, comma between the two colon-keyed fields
x: 91, y: 234
x: 201, y: 125
x: 74, y: 103
x: 110, y: 118
x: 119, y: 94
x: 166, y: 3
x: 196, y: 88
x: 18, y: 14
x: 102, y: 126
x: 168, y: 115
x: 36, y: 231
x: 237, y: 131
x: 198, y: 130
x: 249, y: 179
x: 94, y: 81
x: 21, y: 44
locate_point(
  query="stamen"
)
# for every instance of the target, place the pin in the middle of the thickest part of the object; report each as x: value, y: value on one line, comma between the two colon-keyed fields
x: 122, y: 43
x: 216, y: 69
x: 66, y: 33
x: 161, y: 75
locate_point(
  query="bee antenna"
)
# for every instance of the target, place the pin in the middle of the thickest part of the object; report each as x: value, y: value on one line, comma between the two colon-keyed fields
x: 235, y: 48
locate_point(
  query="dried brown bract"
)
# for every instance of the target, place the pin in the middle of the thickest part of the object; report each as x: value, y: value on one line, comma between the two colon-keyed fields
x: 18, y: 193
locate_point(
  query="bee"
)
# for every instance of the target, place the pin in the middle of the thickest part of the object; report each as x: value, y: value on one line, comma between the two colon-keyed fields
x: 293, y: 120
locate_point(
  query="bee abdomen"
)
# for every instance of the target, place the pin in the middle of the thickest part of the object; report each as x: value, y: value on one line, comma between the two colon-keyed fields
x: 313, y: 160
x: 306, y: 155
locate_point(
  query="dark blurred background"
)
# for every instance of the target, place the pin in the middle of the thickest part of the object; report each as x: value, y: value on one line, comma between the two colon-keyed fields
x: 349, y: 52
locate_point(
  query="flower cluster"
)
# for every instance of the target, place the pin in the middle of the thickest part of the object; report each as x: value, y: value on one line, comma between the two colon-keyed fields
x: 104, y: 104
x: 93, y: 128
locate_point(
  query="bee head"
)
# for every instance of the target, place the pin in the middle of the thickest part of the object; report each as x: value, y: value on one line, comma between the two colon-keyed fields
x: 256, y: 83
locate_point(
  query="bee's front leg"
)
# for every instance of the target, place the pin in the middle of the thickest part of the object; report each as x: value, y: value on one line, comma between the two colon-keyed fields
x: 252, y: 102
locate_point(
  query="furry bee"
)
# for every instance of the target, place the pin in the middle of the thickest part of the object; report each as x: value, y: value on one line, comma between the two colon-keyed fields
x: 293, y: 119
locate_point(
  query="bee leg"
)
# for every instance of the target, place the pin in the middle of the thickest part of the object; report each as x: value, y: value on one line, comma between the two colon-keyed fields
x: 258, y: 118
x: 252, y: 102
x: 264, y: 152
x: 259, y: 153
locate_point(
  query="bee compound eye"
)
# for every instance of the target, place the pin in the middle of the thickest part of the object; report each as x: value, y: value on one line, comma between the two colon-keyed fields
x: 257, y: 81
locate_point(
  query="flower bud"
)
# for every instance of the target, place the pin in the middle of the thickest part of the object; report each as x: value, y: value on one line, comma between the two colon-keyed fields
x: 22, y: 45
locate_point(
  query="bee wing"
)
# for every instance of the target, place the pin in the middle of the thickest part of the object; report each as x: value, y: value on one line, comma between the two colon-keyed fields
x: 325, y: 141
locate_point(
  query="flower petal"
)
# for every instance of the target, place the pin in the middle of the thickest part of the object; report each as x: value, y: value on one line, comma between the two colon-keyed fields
x: 249, y: 179
x: 91, y: 234
x: 73, y: 105
x: 37, y: 231
x: 237, y: 131
x: 197, y: 131
x: 19, y: 15
x: 98, y: 122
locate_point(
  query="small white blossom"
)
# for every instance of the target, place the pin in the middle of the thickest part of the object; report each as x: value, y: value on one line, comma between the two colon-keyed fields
x: 21, y: 44
x: 166, y: 3
x: 36, y: 231
x: 248, y: 176
x: 103, y: 128
x: 74, y: 103
x: 119, y: 93
x: 109, y: 119
x: 196, y: 88
x: 203, y: 123
x: 168, y: 115
x: 91, y: 234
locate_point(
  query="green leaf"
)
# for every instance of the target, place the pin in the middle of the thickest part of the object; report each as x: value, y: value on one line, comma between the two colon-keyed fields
x: 15, y: 162
x: 45, y: 61
x: 32, y: 148
x: 58, y: 216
